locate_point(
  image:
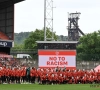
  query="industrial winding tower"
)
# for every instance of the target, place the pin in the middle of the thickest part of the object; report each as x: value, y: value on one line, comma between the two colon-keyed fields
x: 73, y: 28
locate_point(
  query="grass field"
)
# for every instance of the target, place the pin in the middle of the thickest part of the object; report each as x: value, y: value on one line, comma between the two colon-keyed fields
x: 46, y: 87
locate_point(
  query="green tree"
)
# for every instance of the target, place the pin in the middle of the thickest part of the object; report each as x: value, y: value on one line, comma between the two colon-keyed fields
x: 89, y: 47
x: 18, y: 47
x: 20, y: 37
x: 37, y: 35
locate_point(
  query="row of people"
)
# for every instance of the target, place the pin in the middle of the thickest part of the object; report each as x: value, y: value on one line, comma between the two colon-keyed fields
x: 8, y: 62
x: 48, y: 75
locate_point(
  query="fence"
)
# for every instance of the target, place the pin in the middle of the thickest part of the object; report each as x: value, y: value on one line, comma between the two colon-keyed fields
x: 80, y: 64
x: 87, y: 64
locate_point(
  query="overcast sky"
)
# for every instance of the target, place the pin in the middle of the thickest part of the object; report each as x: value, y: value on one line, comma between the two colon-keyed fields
x: 29, y: 15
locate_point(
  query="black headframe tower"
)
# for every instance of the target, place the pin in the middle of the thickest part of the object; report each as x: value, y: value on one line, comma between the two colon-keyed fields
x: 73, y: 28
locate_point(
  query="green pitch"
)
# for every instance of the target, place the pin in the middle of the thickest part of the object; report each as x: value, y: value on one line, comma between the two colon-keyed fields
x: 46, y: 87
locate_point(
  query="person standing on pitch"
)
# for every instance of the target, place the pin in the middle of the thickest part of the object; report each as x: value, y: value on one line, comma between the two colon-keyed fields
x: 28, y: 74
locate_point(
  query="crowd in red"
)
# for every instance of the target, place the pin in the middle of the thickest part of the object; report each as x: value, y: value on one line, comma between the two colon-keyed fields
x: 48, y: 75
x: 12, y: 72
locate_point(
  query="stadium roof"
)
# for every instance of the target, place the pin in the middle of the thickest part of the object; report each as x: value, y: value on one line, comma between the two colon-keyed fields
x: 14, y: 1
x: 6, y: 3
x: 57, y: 41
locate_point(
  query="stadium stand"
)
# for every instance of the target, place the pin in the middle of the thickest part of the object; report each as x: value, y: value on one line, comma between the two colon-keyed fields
x: 3, y: 36
x: 7, y: 25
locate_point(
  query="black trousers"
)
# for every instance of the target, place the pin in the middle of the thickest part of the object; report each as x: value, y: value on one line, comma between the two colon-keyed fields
x: 28, y: 78
x: 3, y: 78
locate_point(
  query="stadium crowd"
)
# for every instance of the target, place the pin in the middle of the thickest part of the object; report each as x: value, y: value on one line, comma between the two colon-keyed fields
x: 47, y: 75
x: 8, y: 62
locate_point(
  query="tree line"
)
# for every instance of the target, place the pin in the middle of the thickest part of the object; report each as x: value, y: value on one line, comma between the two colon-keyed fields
x: 87, y: 49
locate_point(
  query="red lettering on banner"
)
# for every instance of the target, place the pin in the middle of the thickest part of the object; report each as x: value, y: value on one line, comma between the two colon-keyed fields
x: 65, y: 63
x: 48, y: 63
x: 57, y: 63
x: 53, y: 58
x: 61, y: 58
x: 52, y: 63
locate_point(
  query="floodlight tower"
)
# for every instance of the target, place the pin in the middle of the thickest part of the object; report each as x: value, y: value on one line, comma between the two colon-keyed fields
x: 48, y: 20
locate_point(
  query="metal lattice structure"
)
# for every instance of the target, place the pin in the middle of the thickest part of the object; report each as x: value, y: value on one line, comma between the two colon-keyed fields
x: 73, y: 28
x: 48, y: 20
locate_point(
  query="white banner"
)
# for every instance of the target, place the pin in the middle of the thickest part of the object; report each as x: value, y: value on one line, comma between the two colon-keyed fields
x: 57, y: 60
